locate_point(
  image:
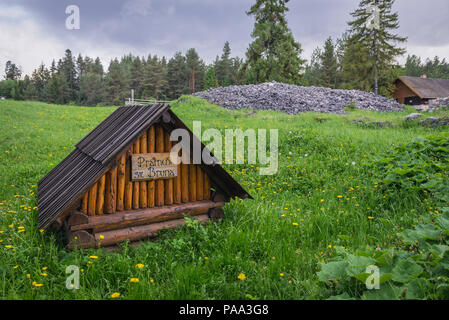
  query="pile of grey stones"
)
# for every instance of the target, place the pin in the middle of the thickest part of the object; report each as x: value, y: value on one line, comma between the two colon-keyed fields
x: 294, y: 99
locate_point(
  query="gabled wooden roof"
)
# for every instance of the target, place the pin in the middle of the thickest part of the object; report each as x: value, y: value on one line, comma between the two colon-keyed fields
x: 96, y: 153
x: 427, y: 88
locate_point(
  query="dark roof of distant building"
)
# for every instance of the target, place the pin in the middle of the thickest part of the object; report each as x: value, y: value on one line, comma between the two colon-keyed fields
x: 427, y: 88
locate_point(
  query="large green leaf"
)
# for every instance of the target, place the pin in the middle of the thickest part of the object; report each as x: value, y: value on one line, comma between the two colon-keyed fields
x: 358, y: 264
x: 421, y: 232
x: 417, y: 289
x: 335, y: 270
x: 386, y: 292
x: 406, y: 270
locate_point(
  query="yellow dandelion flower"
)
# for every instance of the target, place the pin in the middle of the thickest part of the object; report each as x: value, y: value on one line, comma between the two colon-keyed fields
x: 282, y: 274
x: 370, y: 218
x: 101, y: 236
x: 151, y: 281
x: 241, y: 276
x: 140, y: 266
x: 93, y: 257
x: 28, y: 276
x: 15, y: 267
x: 295, y: 224
x: 115, y: 295
x: 134, y: 280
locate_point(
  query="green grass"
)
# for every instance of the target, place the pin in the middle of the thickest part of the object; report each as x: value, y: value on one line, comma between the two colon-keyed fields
x: 323, y: 186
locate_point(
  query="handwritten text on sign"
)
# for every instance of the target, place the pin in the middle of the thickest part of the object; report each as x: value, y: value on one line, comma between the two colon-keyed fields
x: 151, y: 166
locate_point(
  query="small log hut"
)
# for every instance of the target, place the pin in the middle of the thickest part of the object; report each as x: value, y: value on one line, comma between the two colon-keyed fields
x: 99, y: 198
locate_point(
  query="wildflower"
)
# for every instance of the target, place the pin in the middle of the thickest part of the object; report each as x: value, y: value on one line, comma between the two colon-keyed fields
x: 93, y: 257
x: 35, y: 284
x: 322, y: 200
x: 101, y: 236
x: 140, y: 266
x: 370, y: 218
x: 43, y: 274
x: 241, y: 276
x: 134, y: 280
x: 115, y: 295
x: 28, y: 276
x: 15, y: 267
x: 339, y: 196
x: 295, y: 224
x: 281, y: 274
x: 42, y: 230
x: 206, y: 258
x: 44, y: 268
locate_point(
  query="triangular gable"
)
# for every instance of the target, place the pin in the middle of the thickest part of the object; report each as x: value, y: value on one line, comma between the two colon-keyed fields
x: 96, y: 153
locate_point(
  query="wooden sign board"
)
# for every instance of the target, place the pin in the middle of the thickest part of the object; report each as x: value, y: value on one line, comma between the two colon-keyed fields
x: 152, y: 166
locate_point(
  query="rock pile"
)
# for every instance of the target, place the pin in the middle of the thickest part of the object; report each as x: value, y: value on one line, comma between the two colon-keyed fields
x: 294, y: 99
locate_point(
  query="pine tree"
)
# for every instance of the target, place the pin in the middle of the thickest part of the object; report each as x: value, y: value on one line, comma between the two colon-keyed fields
x: 195, y: 71
x: 328, y: 65
x: 177, y: 78
x: 274, y: 54
x: 312, y: 74
x: 377, y: 46
x: 223, y: 67
x: 12, y: 71
x: 116, y: 84
x: 155, y: 79
x: 67, y: 67
x: 137, y: 77
x: 210, y: 80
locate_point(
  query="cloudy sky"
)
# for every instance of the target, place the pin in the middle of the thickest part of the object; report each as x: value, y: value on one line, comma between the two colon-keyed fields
x: 33, y: 31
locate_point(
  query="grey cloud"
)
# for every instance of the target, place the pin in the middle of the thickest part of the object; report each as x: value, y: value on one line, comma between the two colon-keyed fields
x: 166, y: 26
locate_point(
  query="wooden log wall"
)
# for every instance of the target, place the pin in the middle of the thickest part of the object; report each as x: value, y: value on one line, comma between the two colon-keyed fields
x: 114, y: 192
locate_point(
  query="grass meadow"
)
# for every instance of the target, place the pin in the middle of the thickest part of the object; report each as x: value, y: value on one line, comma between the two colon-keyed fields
x: 323, y: 197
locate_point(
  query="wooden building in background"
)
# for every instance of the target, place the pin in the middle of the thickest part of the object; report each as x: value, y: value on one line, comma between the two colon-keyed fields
x: 119, y: 184
x: 419, y: 90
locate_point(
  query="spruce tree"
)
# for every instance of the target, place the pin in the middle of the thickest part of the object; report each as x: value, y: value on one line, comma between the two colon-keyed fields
x: 177, y: 79
x: 195, y: 71
x: 274, y: 54
x: 210, y: 80
x: 373, y: 46
x: 328, y: 67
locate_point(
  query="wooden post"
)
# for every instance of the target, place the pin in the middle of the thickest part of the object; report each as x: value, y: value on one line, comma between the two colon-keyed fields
x: 136, y: 184
x: 128, y: 183
x: 184, y: 179
x: 100, y: 195
x: 143, y: 184
x: 192, y: 182
x: 121, y: 183
x: 84, y: 203
x: 168, y: 184
x: 206, y: 187
x: 111, y: 191
x: 151, y: 147
x: 160, y: 195
x: 199, y: 183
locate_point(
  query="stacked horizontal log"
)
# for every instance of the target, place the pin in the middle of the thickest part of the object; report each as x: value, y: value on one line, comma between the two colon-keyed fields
x: 91, y: 231
x: 114, y: 192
